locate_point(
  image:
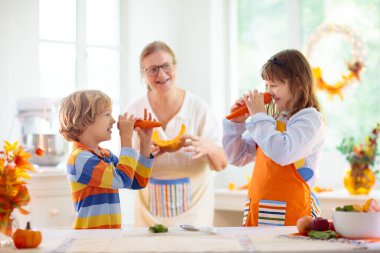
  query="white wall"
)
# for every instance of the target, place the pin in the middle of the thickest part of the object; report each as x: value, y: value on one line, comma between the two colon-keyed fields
x: 19, y: 76
x: 186, y: 27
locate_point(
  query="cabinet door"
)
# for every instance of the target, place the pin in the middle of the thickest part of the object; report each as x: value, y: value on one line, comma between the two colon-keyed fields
x: 53, y: 211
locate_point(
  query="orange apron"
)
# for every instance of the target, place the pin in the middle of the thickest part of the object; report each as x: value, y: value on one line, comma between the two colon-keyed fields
x: 277, y: 194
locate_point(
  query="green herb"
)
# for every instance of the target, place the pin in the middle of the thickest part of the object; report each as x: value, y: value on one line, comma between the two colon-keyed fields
x: 346, y: 208
x: 322, y: 234
x: 158, y: 228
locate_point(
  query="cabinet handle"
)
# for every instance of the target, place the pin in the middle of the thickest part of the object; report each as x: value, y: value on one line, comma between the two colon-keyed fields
x: 54, y: 212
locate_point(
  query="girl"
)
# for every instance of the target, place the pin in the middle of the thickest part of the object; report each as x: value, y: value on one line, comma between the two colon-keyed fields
x: 286, y: 144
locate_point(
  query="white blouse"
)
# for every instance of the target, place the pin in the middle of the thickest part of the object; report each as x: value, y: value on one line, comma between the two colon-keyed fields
x: 199, y: 120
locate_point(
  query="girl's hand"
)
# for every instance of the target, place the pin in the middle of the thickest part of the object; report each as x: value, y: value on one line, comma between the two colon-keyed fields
x: 125, y: 124
x: 199, y: 145
x: 238, y: 103
x: 255, y: 102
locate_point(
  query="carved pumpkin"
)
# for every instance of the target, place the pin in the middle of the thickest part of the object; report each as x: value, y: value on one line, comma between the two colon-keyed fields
x: 27, y: 238
x: 169, y: 145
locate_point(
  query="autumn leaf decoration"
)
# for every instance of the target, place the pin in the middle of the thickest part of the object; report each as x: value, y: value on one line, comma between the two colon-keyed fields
x: 14, y: 168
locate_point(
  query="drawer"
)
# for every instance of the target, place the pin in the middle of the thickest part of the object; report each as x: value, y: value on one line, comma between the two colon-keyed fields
x: 52, y: 212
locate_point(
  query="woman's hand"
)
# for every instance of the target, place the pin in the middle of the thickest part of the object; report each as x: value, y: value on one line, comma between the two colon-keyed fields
x: 157, y: 151
x: 199, y: 145
x: 255, y: 102
x: 205, y: 147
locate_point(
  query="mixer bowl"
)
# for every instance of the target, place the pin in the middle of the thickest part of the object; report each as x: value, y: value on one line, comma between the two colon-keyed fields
x: 53, y: 145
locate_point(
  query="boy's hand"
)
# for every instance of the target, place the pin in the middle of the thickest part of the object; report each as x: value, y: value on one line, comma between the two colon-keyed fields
x: 125, y: 124
x: 255, y: 102
x: 145, y: 137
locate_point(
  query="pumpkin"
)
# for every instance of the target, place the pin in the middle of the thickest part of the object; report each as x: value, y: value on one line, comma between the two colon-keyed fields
x: 170, y: 145
x: 27, y: 238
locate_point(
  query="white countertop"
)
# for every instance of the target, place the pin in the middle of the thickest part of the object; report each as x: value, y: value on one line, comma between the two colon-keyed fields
x: 231, y: 239
x: 234, y: 200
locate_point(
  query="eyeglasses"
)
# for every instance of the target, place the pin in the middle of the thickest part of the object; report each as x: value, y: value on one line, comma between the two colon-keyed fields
x: 166, y: 67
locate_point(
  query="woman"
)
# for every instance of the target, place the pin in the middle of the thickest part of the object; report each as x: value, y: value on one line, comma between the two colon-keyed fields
x: 180, y: 190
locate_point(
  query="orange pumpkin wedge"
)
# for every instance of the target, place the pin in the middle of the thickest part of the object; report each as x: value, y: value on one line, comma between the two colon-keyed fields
x: 168, y: 143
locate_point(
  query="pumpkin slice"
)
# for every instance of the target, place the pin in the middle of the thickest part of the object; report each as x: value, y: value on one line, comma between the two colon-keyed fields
x: 170, y: 144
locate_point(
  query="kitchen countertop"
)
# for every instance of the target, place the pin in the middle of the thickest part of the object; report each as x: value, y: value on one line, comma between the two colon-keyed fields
x: 234, y: 200
x: 227, y: 239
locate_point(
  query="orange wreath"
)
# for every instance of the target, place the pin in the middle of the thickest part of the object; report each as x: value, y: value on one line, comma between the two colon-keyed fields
x: 354, y: 67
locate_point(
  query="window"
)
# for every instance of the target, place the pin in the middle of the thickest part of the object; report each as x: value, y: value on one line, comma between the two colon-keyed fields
x: 80, y: 46
x: 266, y: 27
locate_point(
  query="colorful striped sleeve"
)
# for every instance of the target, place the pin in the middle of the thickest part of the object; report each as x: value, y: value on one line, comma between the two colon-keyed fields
x: 143, y: 170
x: 92, y: 170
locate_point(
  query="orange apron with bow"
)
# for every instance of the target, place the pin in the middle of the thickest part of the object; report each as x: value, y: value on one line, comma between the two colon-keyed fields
x: 277, y: 194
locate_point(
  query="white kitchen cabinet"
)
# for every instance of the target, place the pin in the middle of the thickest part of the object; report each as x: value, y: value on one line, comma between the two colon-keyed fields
x: 229, y: 204
x: 50, y: 200
x: 51, y: 205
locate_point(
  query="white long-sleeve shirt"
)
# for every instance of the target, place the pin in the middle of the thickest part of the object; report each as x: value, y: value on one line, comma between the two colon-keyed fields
x: 303, y: 138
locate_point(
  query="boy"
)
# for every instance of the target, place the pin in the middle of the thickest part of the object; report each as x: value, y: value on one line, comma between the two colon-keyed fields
x: 94, y: 173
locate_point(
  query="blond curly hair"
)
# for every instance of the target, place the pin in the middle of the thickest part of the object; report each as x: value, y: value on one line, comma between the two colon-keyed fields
x: 79, y: 110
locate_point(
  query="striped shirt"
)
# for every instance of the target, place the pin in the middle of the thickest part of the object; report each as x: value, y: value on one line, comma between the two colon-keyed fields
x: 95, y: 179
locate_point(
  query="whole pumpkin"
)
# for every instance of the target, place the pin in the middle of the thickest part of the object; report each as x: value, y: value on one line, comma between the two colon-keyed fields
x: 27, y: 238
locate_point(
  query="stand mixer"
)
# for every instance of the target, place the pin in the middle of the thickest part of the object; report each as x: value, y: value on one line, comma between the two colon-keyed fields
x: 39, y: 123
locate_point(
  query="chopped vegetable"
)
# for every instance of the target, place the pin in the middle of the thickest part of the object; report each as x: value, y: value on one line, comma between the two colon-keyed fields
x: 158, y: 228
x: 346, y: 208
x: 322, y: 234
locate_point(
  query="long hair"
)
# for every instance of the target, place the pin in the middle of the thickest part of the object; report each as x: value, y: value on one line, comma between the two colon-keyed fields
x: 291, y: 65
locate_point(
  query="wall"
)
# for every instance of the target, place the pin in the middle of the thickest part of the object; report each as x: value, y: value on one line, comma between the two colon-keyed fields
x: 19, y: 75
x: 191, y: 29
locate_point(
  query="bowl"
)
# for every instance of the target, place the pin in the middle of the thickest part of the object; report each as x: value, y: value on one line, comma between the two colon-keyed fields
x: 357, y: 225
x: 54, y: 146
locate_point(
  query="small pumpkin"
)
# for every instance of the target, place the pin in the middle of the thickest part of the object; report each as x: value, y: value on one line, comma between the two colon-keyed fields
x: 27, y: 238
x: 173, y: 144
